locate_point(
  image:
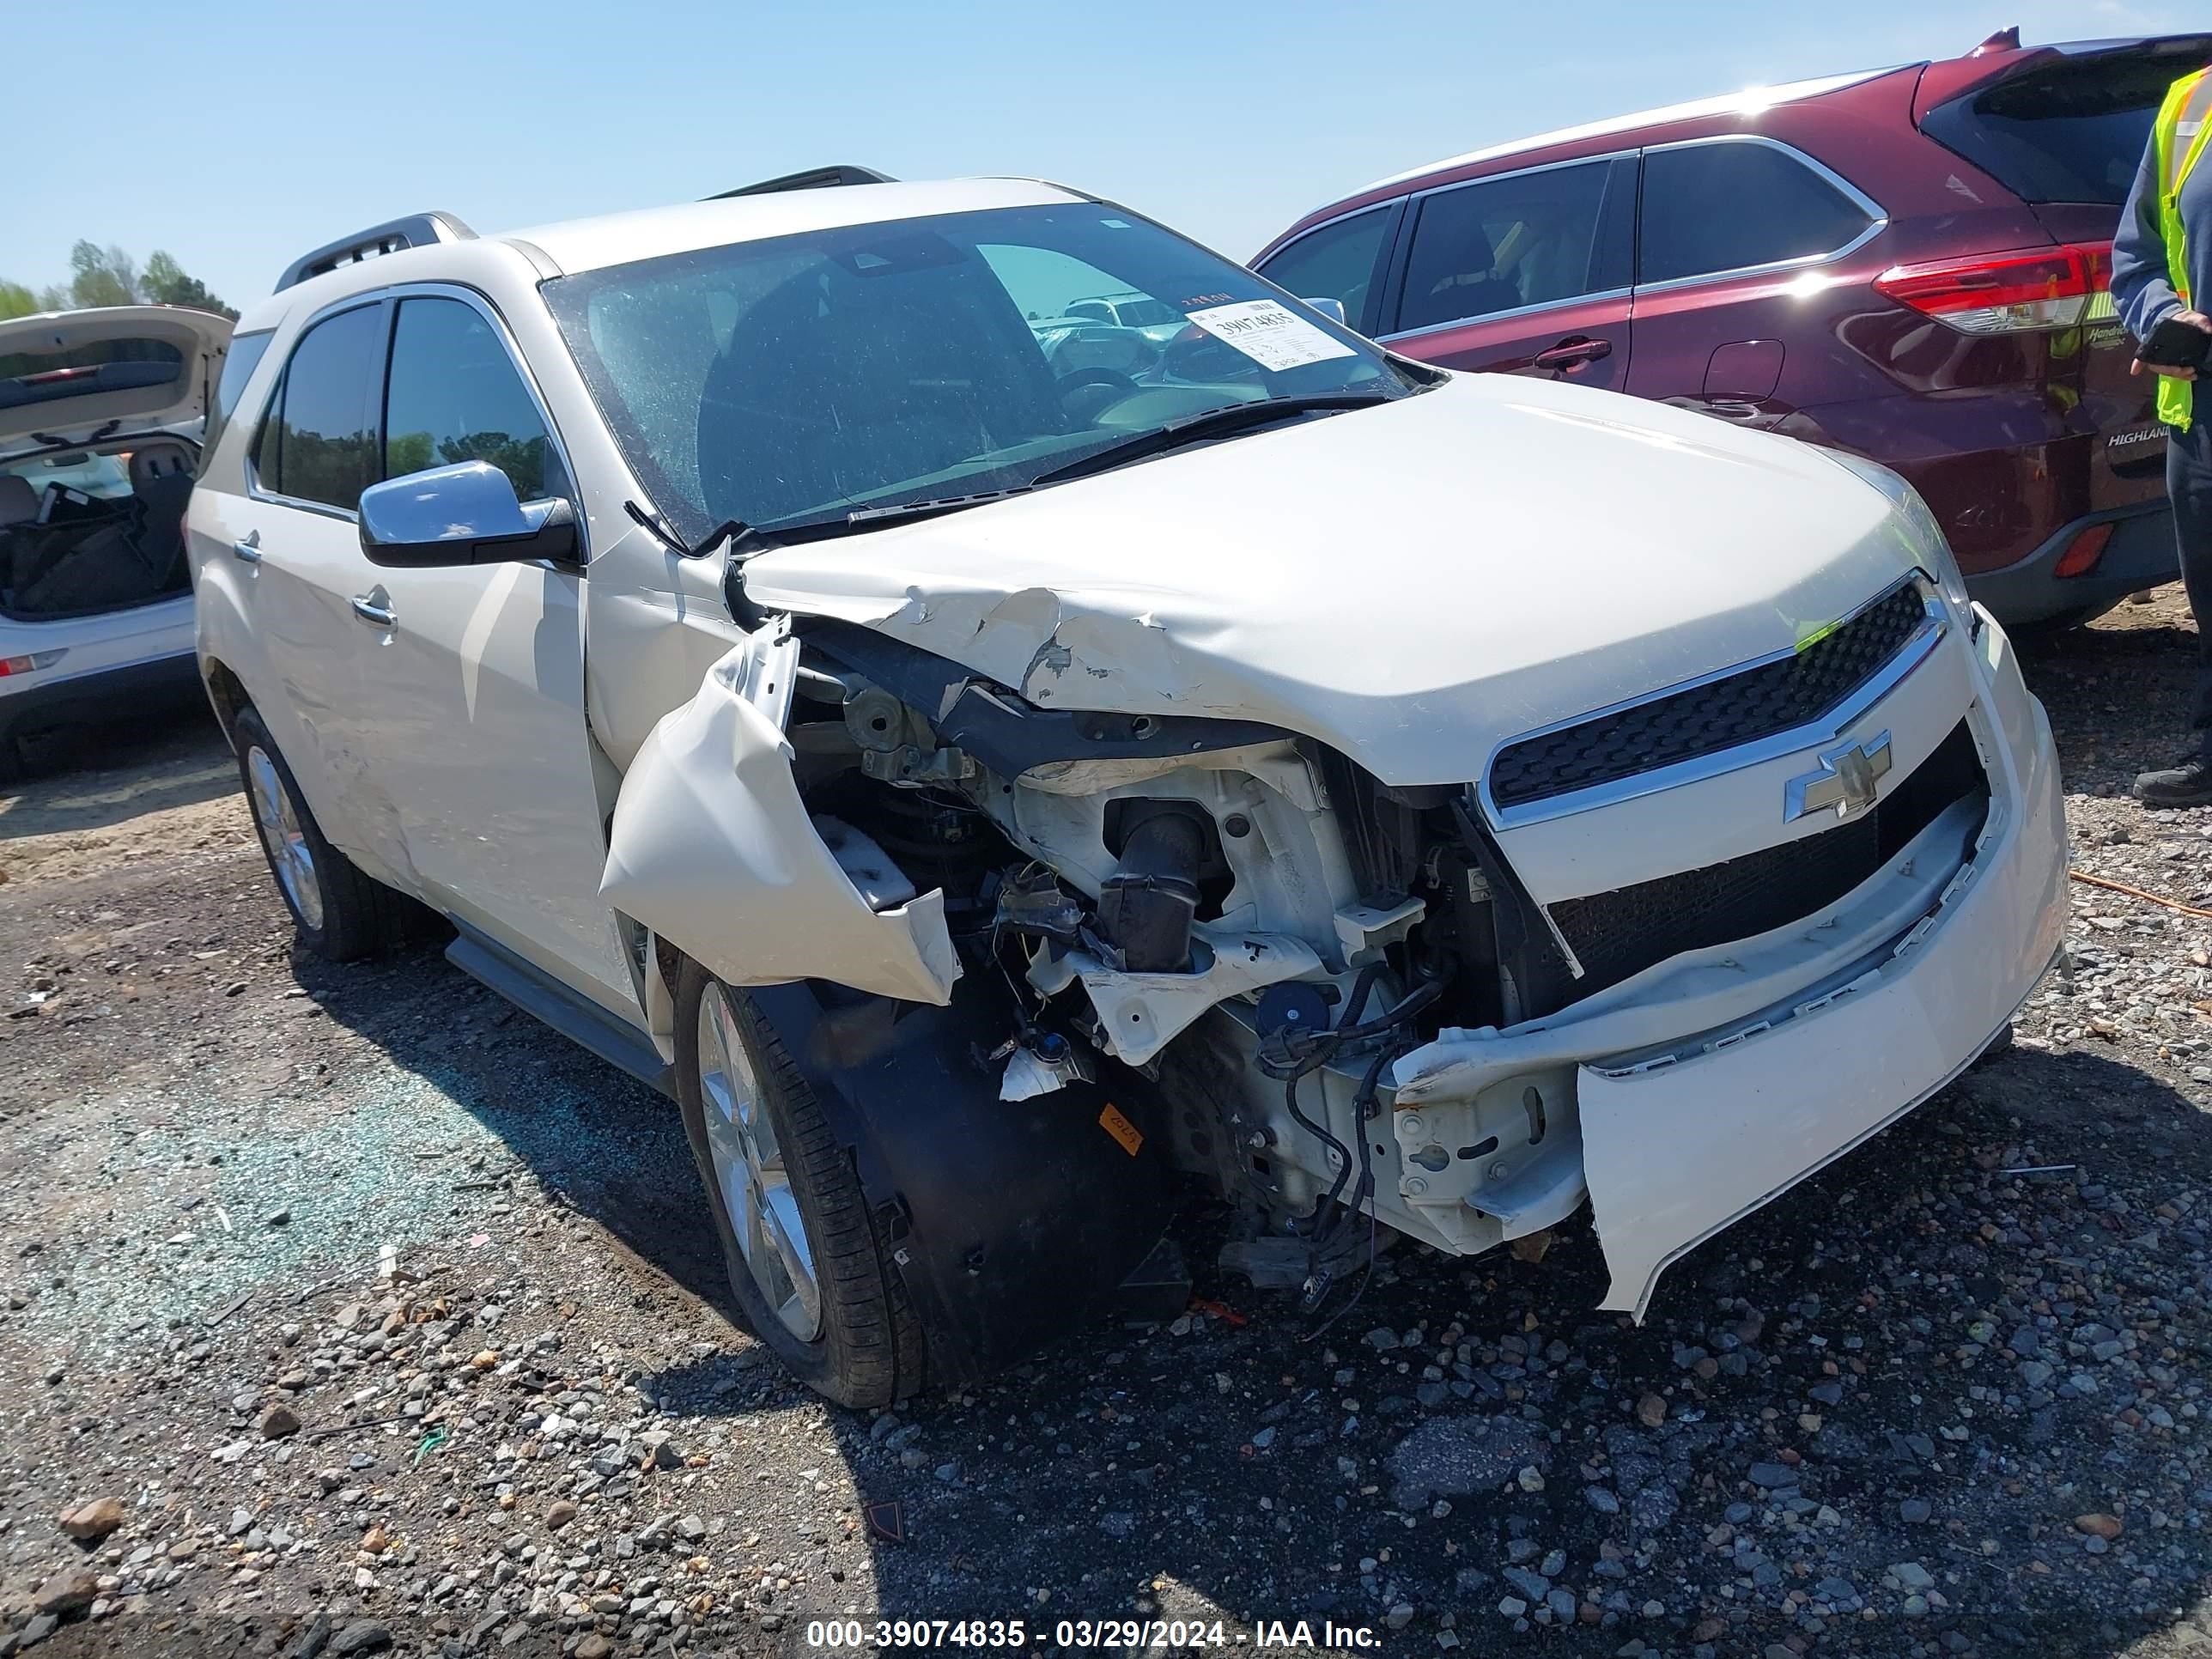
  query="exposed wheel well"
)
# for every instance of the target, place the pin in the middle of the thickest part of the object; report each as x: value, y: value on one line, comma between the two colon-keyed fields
x: 227, y: 693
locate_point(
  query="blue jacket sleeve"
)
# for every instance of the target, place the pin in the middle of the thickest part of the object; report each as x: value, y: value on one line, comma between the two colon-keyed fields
x: 2141, y: 289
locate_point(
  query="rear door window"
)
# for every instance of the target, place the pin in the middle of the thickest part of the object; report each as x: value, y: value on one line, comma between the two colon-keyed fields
x: 2074, y: 130
x: 1733, y: 205
x: 240, y: 359
x: 1529, y: 239
x: 453, y: 394
x: 1337, y: 262
x: 315, y: 446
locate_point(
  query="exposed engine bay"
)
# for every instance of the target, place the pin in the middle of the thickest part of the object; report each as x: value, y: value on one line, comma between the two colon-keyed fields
x: 97, y: 529
x: 1287, y: 960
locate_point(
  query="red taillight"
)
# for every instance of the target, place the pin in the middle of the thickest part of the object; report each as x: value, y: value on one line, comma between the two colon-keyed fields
x: 2081, y: 555
x: 2022, y: 291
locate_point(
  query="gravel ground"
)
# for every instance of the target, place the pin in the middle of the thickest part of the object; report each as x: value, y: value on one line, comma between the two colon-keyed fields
x: 345, y: 1310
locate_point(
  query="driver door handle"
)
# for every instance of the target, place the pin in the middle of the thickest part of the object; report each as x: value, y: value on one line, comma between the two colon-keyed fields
x: 374, y: 607
x: 1573, y: 353
x: 247, y: 551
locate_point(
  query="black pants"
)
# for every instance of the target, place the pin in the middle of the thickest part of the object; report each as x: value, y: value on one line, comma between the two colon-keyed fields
x: 2189, y: 483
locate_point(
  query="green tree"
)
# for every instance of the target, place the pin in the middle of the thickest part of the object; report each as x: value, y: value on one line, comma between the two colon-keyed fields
x: 102, y: 277
x: 166, y: 283
x: 16, y: 300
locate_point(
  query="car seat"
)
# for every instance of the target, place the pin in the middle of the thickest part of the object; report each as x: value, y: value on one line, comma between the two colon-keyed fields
x: 1452, y: 274
x: 835, y: 384
x: 19, y: 502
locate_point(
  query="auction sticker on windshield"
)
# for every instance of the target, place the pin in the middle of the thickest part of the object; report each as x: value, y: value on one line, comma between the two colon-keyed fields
x: 1268, y: 333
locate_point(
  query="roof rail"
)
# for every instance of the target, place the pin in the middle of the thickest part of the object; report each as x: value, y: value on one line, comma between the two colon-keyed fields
x: 416, y: 230
x: 813, y: 179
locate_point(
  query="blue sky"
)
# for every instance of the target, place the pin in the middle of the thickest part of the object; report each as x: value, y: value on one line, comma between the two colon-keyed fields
x: 257, y: 131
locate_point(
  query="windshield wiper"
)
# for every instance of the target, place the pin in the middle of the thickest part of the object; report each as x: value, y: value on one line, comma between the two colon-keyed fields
x: 1208, y: 423
x: 864, y: 518
x: 1191, y: 429
x: 869, y: 518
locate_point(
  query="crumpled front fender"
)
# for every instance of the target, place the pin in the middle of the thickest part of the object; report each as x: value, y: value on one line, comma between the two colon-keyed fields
x: 712, y: 849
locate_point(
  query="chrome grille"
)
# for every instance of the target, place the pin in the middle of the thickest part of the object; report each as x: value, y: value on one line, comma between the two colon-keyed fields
x: 1774, y: 696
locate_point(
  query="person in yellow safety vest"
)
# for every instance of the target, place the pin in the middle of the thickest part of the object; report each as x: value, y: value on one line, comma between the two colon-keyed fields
x: 2161, y: 257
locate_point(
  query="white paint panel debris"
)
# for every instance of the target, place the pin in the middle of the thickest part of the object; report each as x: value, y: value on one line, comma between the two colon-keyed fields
x: 712, y: 849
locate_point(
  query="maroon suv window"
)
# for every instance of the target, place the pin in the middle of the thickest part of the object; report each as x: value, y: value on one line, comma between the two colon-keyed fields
x: 1733, y: 205
x: 1528, y: 239
x: 1336, y: 262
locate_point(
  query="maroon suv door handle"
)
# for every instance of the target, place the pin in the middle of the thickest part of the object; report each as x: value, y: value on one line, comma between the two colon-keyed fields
x: 1572, y: 354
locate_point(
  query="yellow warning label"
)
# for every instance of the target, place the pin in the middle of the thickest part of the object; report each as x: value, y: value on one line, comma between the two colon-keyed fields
x: 1121, y: 1129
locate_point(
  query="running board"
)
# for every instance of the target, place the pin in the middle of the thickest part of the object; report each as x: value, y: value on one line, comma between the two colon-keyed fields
x: 553, y: 1004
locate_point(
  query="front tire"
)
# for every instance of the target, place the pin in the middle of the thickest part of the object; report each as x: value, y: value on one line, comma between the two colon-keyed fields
x: 341, y: 914
x: 812, y: 1279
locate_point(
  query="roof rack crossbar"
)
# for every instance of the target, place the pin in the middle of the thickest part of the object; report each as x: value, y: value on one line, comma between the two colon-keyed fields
x: 416, y: 230
x: 811, y: 178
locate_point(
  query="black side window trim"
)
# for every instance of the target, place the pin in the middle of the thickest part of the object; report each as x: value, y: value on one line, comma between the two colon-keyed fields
x: 1618, y: 215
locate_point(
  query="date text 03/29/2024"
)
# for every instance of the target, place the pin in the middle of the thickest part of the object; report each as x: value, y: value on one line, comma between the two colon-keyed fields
x: 1120, y: 1634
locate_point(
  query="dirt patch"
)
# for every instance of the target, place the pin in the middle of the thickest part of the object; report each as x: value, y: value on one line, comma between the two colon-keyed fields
x: 172, y: 789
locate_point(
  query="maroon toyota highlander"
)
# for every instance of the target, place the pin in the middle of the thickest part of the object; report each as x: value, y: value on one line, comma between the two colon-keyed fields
x: 1909, y: 264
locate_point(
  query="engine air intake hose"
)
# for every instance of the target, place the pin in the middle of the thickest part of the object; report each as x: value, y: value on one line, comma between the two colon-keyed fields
x: 1147, y: 906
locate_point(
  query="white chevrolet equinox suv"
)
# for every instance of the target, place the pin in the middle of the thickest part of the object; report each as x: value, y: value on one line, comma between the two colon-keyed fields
x: 986, y: 795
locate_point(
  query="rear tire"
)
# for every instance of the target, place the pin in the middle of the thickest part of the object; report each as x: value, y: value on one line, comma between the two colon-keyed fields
x: 812, y: 1276
x: 342, y: 915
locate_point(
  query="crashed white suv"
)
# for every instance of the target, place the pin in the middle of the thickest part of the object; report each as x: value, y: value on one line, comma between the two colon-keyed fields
x: 985, y: 797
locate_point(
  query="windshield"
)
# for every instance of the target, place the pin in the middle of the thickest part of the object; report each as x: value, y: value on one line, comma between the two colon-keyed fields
x: 783, y: 381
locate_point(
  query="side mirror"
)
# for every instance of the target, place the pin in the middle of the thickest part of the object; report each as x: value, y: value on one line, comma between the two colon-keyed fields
x: 1332, y: 309
x: 467, y: 514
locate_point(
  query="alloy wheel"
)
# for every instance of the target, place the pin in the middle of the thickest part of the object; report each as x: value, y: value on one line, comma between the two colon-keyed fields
x: 749, y: 1167
x: 293, y: 859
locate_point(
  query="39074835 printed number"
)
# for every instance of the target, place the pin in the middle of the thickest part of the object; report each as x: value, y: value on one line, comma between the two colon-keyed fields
x: 861, y: 1634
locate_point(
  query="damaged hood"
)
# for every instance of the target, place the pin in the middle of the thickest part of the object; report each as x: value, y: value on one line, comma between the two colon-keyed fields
x: 1411, y: 584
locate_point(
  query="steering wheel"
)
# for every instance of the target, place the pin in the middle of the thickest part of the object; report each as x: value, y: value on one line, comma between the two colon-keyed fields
x: 1086, y: 393
x: 1076, y: 379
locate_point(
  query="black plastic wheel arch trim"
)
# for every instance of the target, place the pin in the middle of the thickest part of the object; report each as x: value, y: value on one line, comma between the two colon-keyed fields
x: 1010, y: 1221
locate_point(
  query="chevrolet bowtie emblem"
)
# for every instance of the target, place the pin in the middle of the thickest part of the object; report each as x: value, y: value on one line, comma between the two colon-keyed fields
x: 1847, y: 781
